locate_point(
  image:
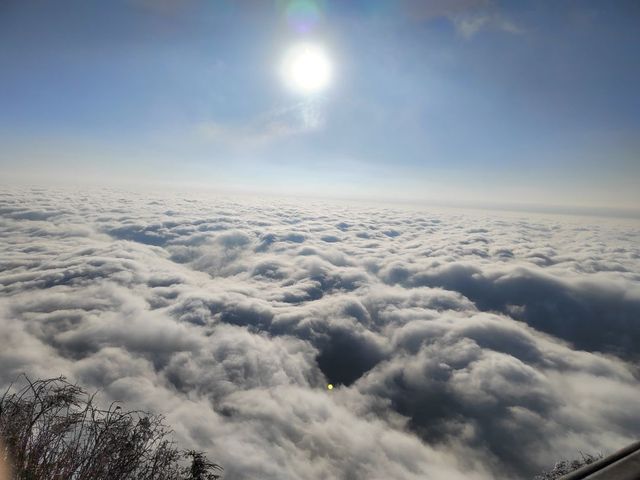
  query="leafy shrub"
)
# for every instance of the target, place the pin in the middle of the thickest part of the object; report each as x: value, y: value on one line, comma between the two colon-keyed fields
x: 565, y: 466
x: 53, y: 430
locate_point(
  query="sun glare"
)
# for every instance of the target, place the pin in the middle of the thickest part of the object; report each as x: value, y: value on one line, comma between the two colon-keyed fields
x: 307, y: 68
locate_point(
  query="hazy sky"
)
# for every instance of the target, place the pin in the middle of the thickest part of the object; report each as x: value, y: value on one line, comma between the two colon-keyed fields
x: 456, y: 101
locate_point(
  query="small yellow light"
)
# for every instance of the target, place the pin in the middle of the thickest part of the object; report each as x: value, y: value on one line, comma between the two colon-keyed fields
x: 330, y: 387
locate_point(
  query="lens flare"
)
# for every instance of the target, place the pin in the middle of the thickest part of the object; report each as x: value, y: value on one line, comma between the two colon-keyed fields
x: 303, y: 15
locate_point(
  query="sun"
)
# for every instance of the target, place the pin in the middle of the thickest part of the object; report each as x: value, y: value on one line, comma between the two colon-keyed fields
x: 307, y: 68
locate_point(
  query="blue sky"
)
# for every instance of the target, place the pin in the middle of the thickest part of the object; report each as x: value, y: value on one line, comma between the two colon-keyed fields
x: 465, y: 101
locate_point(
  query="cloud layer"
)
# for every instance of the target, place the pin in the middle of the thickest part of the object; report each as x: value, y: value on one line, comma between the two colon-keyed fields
x: 463, y: 344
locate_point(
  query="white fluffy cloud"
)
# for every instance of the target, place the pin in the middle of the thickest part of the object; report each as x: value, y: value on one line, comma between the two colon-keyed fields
x: 464, y: 344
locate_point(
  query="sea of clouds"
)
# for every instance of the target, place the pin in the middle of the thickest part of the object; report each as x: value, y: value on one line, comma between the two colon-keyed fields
x: 463, y: 344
